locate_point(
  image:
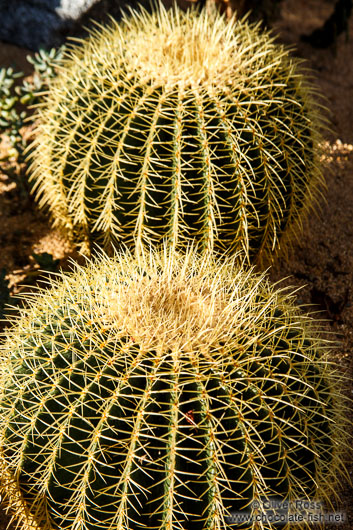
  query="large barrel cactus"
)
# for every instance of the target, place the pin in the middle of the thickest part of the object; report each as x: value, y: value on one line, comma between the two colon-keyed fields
x: 180, y: 126
x: 164, y: 392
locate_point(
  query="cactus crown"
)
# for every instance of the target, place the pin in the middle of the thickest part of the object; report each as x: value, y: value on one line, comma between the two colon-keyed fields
x: 179, y: 126
x: 177, y: 49
x: 167, y: 392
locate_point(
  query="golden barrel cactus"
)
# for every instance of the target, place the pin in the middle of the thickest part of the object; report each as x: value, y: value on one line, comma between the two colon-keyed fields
x: 165, y: 392
x: 179, y: 126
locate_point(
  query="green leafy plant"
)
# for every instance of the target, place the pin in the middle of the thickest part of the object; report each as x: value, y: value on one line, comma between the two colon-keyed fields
x: 164, y: 391
x: 180, y: 126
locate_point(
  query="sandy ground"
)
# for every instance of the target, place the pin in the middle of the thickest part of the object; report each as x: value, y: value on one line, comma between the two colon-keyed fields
x: 321, y: 262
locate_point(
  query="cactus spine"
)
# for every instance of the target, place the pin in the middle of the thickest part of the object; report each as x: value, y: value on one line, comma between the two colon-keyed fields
x: 180, y: 126
x: 164, y: 391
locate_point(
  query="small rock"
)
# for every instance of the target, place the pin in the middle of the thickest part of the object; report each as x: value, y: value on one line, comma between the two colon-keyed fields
x: 39, y: 23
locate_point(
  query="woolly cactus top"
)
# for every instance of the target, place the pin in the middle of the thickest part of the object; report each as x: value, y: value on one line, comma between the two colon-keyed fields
x: 176, y: 49
x: 166, y: 392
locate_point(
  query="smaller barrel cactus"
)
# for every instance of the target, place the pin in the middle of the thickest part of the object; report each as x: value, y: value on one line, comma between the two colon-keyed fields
x: 164, y: 392
x: 180, y: 126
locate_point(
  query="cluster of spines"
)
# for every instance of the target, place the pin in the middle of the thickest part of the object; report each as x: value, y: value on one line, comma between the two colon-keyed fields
x: 229, y: 160
x: 107, y: 424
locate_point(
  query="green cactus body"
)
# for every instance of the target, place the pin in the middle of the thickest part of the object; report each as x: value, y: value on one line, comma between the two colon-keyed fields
x: 166, y: 392
x: 179, y: 126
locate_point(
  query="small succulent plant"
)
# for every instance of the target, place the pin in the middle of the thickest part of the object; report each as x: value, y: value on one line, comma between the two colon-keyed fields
x: 179, y: 126
x: 164, y: 391
x: 15, y: 98
x: 11, y: 120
